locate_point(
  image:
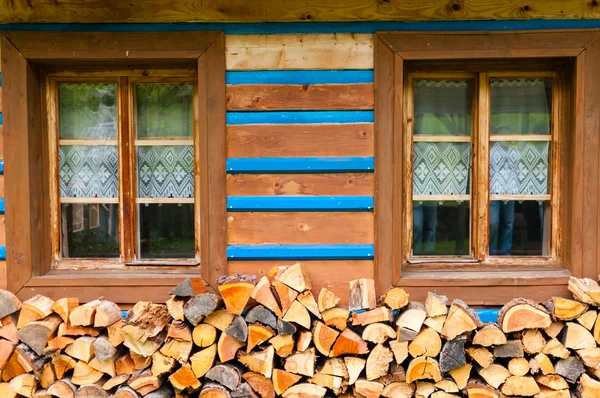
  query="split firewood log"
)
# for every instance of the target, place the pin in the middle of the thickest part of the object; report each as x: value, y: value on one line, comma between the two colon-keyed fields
x: 227, y: 347
x: 259, y: 362
x: 124, y: 365
x: 362, y: 295
x: 145, y: 321
x: 453, y: 354
x: 82, y: 348
x: 520, y: 385
x: 64, y: 306
x: 260, y: 384
x: 144, y: 382
x: 238, y: 329
x: 576, y: 337
x: 427, y: 343
x: 554, y: 382
x: 103, y: 349
x: 336, y: 317
x: 588, y: 319
x: 436, y: 322
x: 146, y: 348
x: 161, y: 364
x: 400, y: 350
x: 349, y: 342
x: 179, y: 350
x: 62, y: 364
x: 261, y: 315
x: 436, y: 304
x: 366, y: 388
x: 37, y: 333
x: 90, y: 391
x: 585, y: 290
x: 285, y: 294
x: 481, y: 355
x: 461, y: 319
x: 179, y: 330
x: 424, y: 389
x: 555, y: 349
x: 533, y: 341
x: 489, y: 335
x: 305, y: 390
x: 213, y: 390
x: 85, y: 374
x: 395, y: 298
x: 200, y: 306
x: 554, y: 329
x: 298, y: 314
x: 461, y: 375
x: 494, y: 375
x: 282, y: 380
x: 263, y: 294
x: 564, y: 309
x: 324, y: 337
x: 512, y: 349
x: 355, y: 366
x: 236, y: 291
x: 284, y: 327
x: 447, y: 385
x: 303, y: 340
x: 302, y: 363
x: 62, y: 388
x: 283, y: 344
x: 189, y: 287
x: 423, y: 368
x: 185, y: 380
x: 590, y: 357
x: 378, y: 362
x: 9, y: 303
x: 9, y: 332
x: 257, y: 335
x: 541, y: 363
x: 115, y: 334
x: 47, y: 376
x: 519, y: 314
x: 140, y: 362
x: 34, y: 309
x: 378, y: 333
x: 326, y: 300
x: 226, y: 375
x: 379, y: 314
x: 107, y: 366
x: 295, y: 277
x: 518, y: 366
x: 114, y: 382
x: 588, y: 387
x: 24, y: 384
x: 570, y: 368
x: 308, y: 300
x: 410, y: 321
x: 203, y: 360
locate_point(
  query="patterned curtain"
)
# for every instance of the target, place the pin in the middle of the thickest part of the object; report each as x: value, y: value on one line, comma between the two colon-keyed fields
x: 166, y: 171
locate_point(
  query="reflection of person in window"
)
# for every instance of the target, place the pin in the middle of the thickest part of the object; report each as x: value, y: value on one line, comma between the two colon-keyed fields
x: 502, y: 212
x: 424, y: 227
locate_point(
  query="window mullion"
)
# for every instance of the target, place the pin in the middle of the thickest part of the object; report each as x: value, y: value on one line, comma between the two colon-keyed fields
x: 126, y: 167
x: 481, y: 167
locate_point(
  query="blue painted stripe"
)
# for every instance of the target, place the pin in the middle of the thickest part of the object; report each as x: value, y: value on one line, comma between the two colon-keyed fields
x: 2, y: 252
x: 0, y: 118
x: 1, y: 166
x: 287, y: 117
x: 488, y: 315
x: 300, y: 203
x: 300, y: 252
x: 0, y: 79
x: 300, y: 77
x: 300, y: 165
x: 1, y: 205
x: 310, y: 27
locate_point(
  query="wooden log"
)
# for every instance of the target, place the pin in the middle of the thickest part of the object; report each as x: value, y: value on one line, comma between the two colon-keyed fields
x: 84, y: 374
x: 82, y: 348
x: 481, y: 355
x: 62, y: 388
x: 212, y: 390
x: 590, y: 357
x: 355, y: 366
x: 427, y: 343
x: 7, y: 392
x: 520, y: 385
x: 324, y: 337
x: 189, y: 288
x: 144, y: 382
x: 184, y: 379
x: 284, y: 327
x: 179, y: 350
x: 226, y: 375
x: 368, y: 389
x: 115, y: 334
x: 335, y: 367
x: 378, y: 362
x: 379, y: 314
x: 336, y: 317
x: 424, y: 389
x: 302, y: 363
x: 283, y: 344
x: 305, y: 390
x: 262, y: 315
x: 259, y: 362
x: 541, y: 363
x: 145, y: 321
x: 107, y: 366
x: 489, y: 335
x: 588, y: 319
x: 296, y: 278
x: 555, y: 349
x: 34, y: 309
x: 260, y: 384
x: 6, y: 350
x: 576, y: 337
x: 362, y: 295
x: 90, y: 391
x: 518, y: 366
x: 62, y: 364
x: 519, y: 314
x: 286, y: 295
x: 103, y: 349
x: 106, y: 313
x: 326, y: 300
x: 64, y: 306
x: 303, y: 340
x: 180, y: 330
x: 436, y: 304
x: 461, y: 375
x: 395, y: 374
x: 220, y: 319
x: 436, y: 322
x: 411, y: 321
x: 554, y: 329
x: 585, y: 290
x: 453, y: 354
x: 378, y: 333
x: 570, y: 368
x: 161, y: 364
x: 587, y: 387
x: 9, y: 332
x: 244, y: 391
x: 423, y: 368
x: 395, y: 298
x: 200, y: 306
x: 564, y: 309
x: 349, y: 343
x: 461, y: 319
x: 533, y: 341
x: 494, y: 375
x: 227, y: 347
x: 125, y: 365
x: 546, y: 392
x: 263, y: 294
x: 334, y: 383
x: 203, y: 360
x: 554, y: 382
x: 47, y: 376
x: 141, y: 362
x: 236, y: 291
x: 447, y: 385
x: 257, y: 335
x: 238, y: 329
x: 24, y: 384
x: 308, y: 300
x: 512, y: 349
x: 400, y: 350
x: 298, y: 314
x: 9, y: 303
x: 282, y: 380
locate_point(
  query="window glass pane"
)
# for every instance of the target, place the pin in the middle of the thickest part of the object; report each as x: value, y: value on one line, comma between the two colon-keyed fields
x: 87, y: 111
x: 521, y: 105
x: 519, y: 168
x: 164, y: 110
x: 441, y: 168
x: 441, y: 228
x: 166, y: 171
x: 442, y: 107
x: 89, y: 230
x: 89, y: 171
x: 166, y: 230
x: 519, y: 228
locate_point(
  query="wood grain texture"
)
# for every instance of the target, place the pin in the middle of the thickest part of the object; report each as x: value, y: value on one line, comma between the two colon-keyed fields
x: 333, y: 275
x: 298, y: 140
x: 255, y: 97
x: 299, y: 228
x: 286, y: 11
x: 299, y: 51
x: 352, y: 184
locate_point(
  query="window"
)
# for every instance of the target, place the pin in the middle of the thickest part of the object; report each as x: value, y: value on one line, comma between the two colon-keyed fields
x: 115, y: 162
x: 486, y: 167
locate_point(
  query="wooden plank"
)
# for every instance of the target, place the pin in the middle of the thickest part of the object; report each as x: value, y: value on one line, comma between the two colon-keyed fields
x: 325, y: 164
x: 1, y: 186
x: 358, y: 184
x: 253, y: 97
x: 117, y: 294
x: 294, y: 140
x: 299, y: 51
x: 300, y: 228
x: 0, y: 98
x: 284, y: 11
x: 2, y: 231
x: 333, y: 275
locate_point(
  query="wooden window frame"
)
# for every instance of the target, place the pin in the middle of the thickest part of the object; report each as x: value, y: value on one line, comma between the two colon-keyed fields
x: 26, y: 59
x: 580, y: 191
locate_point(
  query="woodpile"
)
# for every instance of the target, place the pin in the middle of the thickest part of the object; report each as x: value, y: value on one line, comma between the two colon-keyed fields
x: 274, y: 336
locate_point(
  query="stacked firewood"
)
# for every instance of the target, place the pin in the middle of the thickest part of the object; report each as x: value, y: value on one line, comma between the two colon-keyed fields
x: 271, y: 336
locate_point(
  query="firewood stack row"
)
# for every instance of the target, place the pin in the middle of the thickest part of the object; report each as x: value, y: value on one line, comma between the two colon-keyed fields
x: 271, y: 336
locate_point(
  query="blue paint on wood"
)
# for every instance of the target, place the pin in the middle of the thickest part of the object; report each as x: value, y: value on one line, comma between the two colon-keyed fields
x: 299, y: 203
x: 1, y: 166
x: 2, y: 253
x: 1, y: 205
x: 488, y: 315
x: 300, y: 77
x: 0, y: 118
x: 359, y: 164
x: 301, y: 252
x: 310, y: 27
x: 299, y: 117
x: 0, y: 79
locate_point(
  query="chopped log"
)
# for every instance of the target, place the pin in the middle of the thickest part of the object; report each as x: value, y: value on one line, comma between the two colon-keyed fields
x: 284, y: 327
x: 295, y: 277
x: 200, y: 306
x: 563, y: 309
x: 257, y: 335
x: 461, y: 375
x: 9, y: 332
x: 518, y: 366
x: 576, y: 337
x: 140, y: 361
x: 227, y: 347
x: 34, y: 309
x: 115, y: 382
x: 62, y: 364
x: 427, y: 343
x: 556, y: 349
x: 400, y: 350
x: 115, y: 334
x: 489, y: 335
x: 305, y: 390
x: 283, y: 344
x: 335, y: 367
x: 378, y: 333
x: 436, y: 304
x: 286, y: 295
x: 47, y: 376
x: 179, y: 330
x: 512, y: 349
x: 262, y: 315
x: 334, y: 383
x: 367, y: 389
x: 220, y: 319
x: 326, y: 300
x: 554, y: 329
x: 570, y: 368
x: 184, y: 379
x: 226, y: 375
x: 106, y: 314
x: 541, y: 363
x: 161, y: 364
x: 259, y: 384
x: 263, y: 294
x: 103, y: 350
x: 494, y: 375
x: 324, y: 337
x: 379, y: 314
x: 7, y: 392
x: 336, y: 317
x: 189, y: 288
x: 423, y: 368
x: 203, y: 360
x: 546, y: 392
x: 83, y: 315
x: 107, y: 366
x: 395, y: 374
x: 355, y: 366
x: 447, y: 385
x: 145, y: 321
x: 520, y: 313
x: 588, y: 387
x: 179, y: 350
x: 554, y: 382
x: 24, y: 384
x: 298, y: 314
x: 16, y: 365
x: 520, y: 385
x: 64, y: 306
x: 585, y: 290
x: 362, y: 295
x: 424, y: 389
x: 349, y: 343
x: 82, y: 348
x: 533, y: 341
x: 590, y: 357
x: 175, y: 307
x: 56, y: 344
x: 302, y: 363
x: 259, y: 362
x: 6, y: 350
x: 9, y: 303
x: 436, y: 322
x: 235, y: 291
x: 410, y: 321
x: 283, y: 380
x: 125, y: 365
x: 453, y: 354
x: 62, y: 389
x: 238, y: 329
x: 90, y: 391
x: 308, y: 300
x: 144, y: 382
x: 146, y: 348
x: 481, y: 355
x: 378, y: 362
x: 212, y: 390
x: 85, y: 374
x: 303, y: 340
x: 395, y: 298
x: 588, y: 319
x: 461, y: 319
